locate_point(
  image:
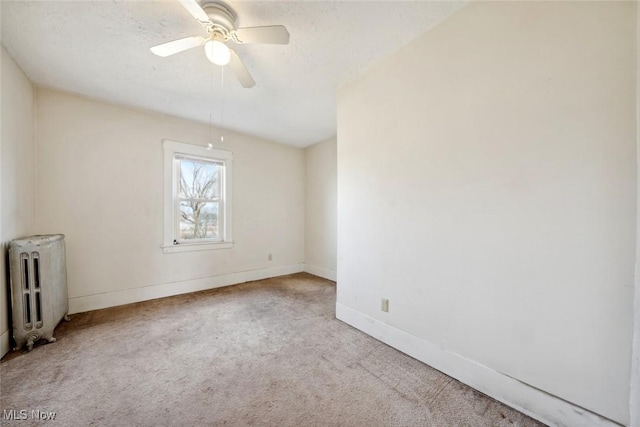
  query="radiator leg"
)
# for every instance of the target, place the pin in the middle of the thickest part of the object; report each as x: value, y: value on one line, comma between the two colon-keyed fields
x: 30, y: 345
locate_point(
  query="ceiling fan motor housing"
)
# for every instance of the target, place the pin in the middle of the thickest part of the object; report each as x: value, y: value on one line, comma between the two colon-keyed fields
x: 221, y: 15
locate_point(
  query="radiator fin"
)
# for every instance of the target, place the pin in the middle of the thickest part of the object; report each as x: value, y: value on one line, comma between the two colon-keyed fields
x: 38, y: 278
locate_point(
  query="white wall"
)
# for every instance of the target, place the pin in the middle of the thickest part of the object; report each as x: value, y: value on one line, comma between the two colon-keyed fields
x: 635, y: 365
x: 321, y: 209
x: 17, y: 173
x: 100, y: 182
x: 487, y: 187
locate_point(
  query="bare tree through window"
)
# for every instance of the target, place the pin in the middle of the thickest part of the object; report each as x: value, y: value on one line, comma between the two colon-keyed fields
x: 199, y: 198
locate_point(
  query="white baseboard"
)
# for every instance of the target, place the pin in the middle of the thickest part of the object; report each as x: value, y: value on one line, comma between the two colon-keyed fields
x: 128, y: 296
x: 529, y: 400
x: 325, y: 273
x: 5, y: 343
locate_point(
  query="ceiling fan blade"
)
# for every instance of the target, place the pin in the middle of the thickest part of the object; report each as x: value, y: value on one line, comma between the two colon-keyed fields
x: 176, y: 46
x: 274, y: 34
x: 241, y: 72
x: 195, y: 10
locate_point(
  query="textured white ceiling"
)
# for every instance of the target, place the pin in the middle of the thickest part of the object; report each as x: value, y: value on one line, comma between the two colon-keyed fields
x: 101, y: 49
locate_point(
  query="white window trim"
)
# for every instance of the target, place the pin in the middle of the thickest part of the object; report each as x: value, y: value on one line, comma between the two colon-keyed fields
x: 171, y: 148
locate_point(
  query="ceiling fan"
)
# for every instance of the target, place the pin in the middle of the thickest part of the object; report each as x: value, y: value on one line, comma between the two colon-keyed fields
x: 219, y: 21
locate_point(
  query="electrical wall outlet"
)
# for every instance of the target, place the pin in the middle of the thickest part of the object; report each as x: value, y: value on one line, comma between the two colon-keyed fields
x: 384, y: 306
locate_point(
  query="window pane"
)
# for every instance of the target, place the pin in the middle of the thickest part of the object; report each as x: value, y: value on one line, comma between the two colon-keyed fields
x: 199, y: 179
x: 198, y: 220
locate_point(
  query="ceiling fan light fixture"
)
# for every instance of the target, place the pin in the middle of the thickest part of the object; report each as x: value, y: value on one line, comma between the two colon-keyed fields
x: 217, y: 52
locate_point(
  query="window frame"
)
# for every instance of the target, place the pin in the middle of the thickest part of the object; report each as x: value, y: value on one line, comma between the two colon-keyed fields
x: 173, y: 151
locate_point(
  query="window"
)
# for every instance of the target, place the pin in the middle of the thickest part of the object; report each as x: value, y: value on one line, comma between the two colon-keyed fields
x: 197, y: 192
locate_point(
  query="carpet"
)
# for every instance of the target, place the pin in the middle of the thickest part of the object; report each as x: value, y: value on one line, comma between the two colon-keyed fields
x: 264, y: 353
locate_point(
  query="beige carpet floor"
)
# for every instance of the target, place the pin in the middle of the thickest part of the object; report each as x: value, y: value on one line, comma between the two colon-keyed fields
x: 265, y: 353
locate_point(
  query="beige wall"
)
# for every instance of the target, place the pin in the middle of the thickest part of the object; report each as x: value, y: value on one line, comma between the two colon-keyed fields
x: 100, y: 182
x: 635, y: 366
x: 487, y: 187
x: 321, y: 209
x: 17, y: 172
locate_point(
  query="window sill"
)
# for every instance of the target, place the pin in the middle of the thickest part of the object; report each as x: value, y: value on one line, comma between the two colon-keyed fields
x: 190, y: 247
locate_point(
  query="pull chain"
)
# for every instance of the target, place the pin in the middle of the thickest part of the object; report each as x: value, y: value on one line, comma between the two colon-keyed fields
x: 221, y: 104
x: 210, y: 144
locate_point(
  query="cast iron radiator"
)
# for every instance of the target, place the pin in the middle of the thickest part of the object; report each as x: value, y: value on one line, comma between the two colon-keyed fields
x: 38, y: 276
